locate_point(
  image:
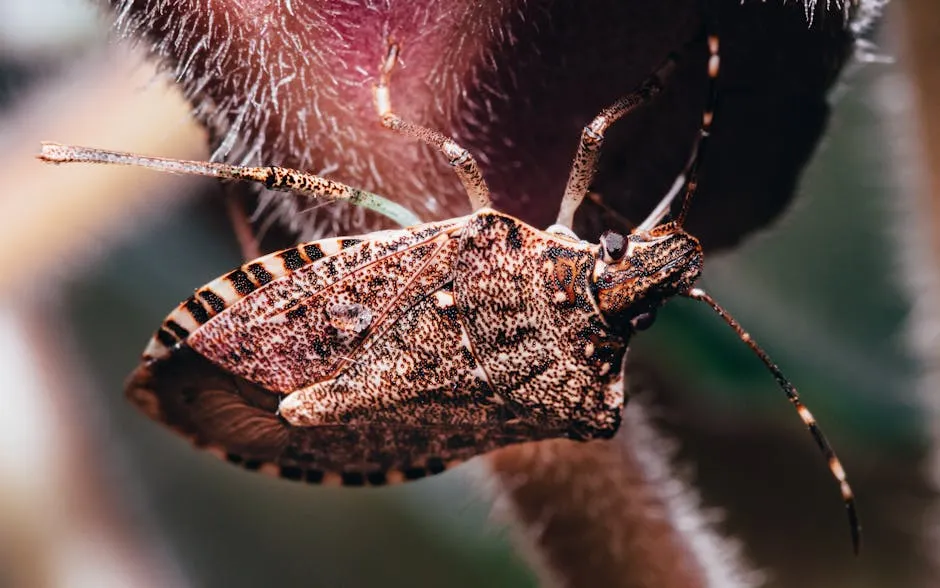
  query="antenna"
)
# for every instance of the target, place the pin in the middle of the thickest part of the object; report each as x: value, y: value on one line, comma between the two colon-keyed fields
x: 835, y: 466
x: 271, y: 177
x: 708, y: 115
x: 688, y: 178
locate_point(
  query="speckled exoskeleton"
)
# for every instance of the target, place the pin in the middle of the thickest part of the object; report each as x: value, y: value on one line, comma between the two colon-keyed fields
x: 390, y: 356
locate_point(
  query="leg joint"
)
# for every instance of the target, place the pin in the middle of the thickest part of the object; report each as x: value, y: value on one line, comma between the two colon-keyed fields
x: 456, y: 154
x: 592, y: 137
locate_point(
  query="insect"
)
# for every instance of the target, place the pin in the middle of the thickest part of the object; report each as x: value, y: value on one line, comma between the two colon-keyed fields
x: 393, y: 355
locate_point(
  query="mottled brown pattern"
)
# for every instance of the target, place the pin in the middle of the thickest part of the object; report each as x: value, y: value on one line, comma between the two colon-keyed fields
x: 235, y: 285
x: 414, y: 375
x: 216, y: 409
x: 530, y: 343
x: 283, y: 338
x: 404, y: 351
x: 657, y: 265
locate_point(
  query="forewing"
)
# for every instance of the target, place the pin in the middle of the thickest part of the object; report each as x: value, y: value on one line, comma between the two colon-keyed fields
x: 276, y: 271
x: 411, y: 401
x: 413, y: 398
x: 297, y: 332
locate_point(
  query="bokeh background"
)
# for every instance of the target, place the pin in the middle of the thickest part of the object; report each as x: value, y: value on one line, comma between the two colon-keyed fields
x: 93, y: 494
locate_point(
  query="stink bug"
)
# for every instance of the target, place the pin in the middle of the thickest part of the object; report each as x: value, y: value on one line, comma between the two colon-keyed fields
x: 389, y: 356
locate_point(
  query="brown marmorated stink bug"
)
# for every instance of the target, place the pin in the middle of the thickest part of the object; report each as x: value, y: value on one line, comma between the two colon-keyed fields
x: 386, y: 357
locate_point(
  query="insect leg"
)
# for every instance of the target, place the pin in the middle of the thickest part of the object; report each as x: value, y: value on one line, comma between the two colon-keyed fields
x: 460, y: 159
x: 592, y: 139
x: 241, y: 225
x: 272, y: 177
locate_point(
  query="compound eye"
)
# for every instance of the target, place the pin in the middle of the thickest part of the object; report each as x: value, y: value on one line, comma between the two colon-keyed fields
x: 613, y: 246
x: 643, y: 321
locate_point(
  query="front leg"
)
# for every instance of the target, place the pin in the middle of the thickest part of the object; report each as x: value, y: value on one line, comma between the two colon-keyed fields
x: 465, y: 166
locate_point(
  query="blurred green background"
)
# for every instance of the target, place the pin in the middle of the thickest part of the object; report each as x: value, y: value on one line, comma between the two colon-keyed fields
x: 821, y: 292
